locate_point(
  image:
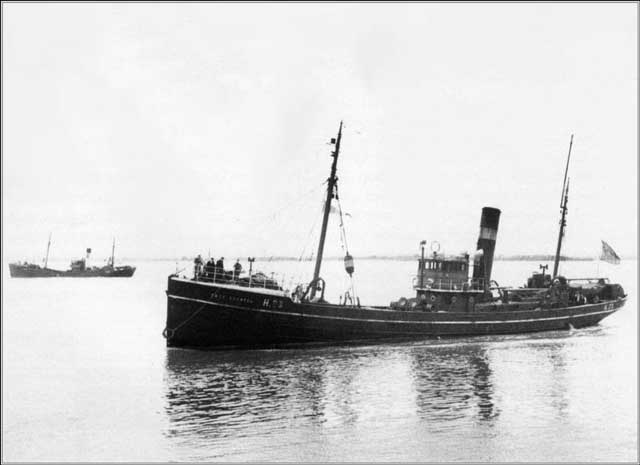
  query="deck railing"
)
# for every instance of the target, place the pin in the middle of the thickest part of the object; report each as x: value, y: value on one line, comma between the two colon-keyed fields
x: 257, y: 279
x: 591, y: 280
x: 449, y: 284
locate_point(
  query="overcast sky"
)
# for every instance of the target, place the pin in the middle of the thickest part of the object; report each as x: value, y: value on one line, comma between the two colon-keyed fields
x: 184, y: 128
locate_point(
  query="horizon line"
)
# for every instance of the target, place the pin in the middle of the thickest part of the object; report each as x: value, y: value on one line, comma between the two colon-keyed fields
x: 397, y: 257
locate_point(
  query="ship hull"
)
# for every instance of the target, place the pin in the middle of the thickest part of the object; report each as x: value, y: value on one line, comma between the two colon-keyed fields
x: 210, y: 316
x: 26, y: 271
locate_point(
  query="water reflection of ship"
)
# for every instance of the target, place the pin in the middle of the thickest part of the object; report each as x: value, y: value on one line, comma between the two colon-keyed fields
x: 218, y: 394
x: 215, y: 401
x: 456, y: 381
x: 551, y: 353
x: 453, y: 381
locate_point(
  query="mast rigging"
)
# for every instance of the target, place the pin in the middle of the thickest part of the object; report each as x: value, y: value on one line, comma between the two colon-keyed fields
x: 331, y: 183
x: 564, y: 198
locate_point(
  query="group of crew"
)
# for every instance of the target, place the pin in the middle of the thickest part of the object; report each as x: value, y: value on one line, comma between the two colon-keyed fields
x: 215, y: 269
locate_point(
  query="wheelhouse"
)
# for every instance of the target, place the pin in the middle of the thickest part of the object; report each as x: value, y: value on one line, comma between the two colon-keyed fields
x: 440, y: 272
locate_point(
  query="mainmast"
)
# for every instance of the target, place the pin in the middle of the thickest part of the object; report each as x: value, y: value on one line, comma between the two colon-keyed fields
x: 564, y: 198
x: 46, y: 258
x: 331, y: 184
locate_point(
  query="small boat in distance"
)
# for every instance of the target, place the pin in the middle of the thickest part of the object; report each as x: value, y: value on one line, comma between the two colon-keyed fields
x: 226, y: 311
x: 78, y: 268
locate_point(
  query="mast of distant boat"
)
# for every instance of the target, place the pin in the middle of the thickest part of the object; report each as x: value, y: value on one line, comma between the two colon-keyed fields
x: 331, y: 183
x: 113, y: 250
x: 46, y: 258
x: 564, y: 198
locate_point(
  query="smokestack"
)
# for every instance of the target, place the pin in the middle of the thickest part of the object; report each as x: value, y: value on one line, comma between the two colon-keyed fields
x: 483, y: 263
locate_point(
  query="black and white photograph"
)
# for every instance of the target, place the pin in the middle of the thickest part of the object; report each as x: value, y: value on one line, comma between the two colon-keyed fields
x: 319, y: 232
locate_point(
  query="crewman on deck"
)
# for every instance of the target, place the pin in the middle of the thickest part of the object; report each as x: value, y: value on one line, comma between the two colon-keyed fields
x: 197, y: 268
x: 237, y: 269
x: 209, y: 267
x: 220, y: 265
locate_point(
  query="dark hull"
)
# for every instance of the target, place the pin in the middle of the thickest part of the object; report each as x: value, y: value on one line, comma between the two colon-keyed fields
x: 211, y: 316
x: 27, y: 271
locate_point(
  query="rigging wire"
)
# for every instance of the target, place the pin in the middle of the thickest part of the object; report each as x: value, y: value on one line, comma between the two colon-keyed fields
x: 290, y: 207
x: 270, y: 222
x: 343, y: 233
x: 345, y: 246
x: 271, y: 217
x: 304, y: 249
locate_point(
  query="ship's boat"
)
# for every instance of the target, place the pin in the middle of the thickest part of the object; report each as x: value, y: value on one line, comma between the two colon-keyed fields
x: 219, y: 310
x: 77, y: 268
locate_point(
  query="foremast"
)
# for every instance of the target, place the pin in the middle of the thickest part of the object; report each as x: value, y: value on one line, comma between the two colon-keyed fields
x: 564, y: 198
x: 46, y: 258
x: 331, y: 185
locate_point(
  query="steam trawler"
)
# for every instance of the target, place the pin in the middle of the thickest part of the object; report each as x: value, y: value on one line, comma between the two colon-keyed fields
x: 226, y: 312
x: 78, y: 268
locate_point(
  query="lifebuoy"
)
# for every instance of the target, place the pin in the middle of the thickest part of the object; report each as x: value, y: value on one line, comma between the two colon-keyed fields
x: 433, y: 298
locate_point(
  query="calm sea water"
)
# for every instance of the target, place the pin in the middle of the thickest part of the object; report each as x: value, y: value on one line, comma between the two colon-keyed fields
x: 86, y: 377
